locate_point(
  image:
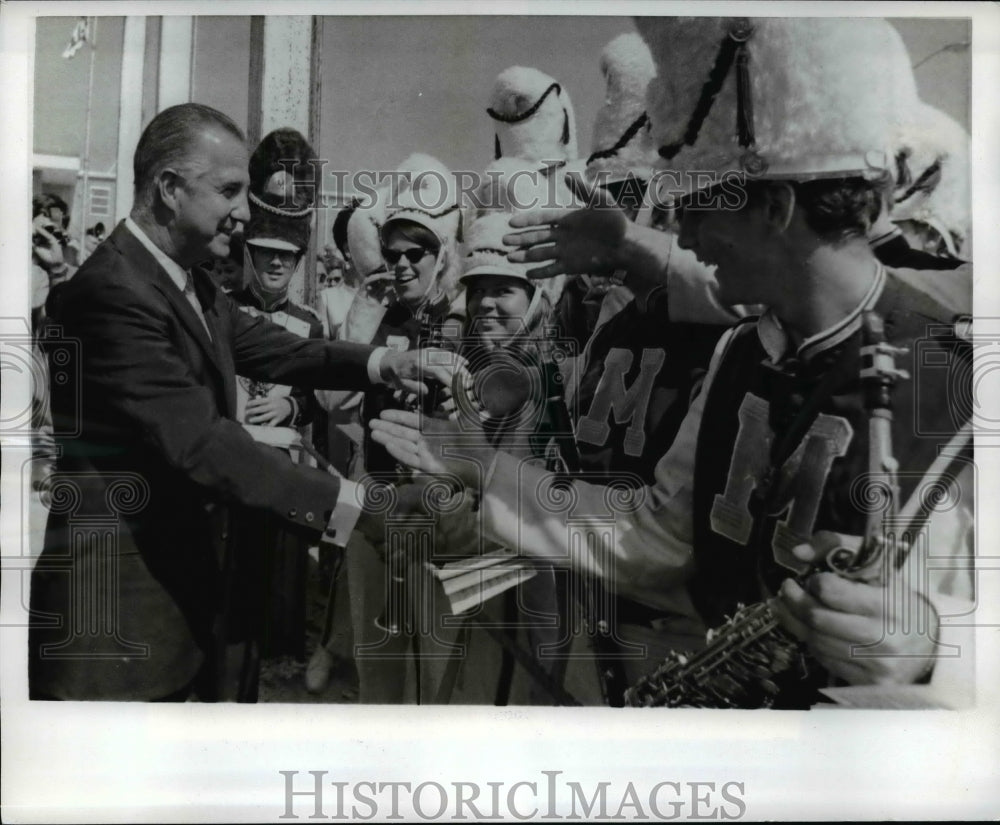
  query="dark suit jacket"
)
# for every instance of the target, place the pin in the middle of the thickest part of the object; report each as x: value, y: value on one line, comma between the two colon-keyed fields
x: 128, y: 594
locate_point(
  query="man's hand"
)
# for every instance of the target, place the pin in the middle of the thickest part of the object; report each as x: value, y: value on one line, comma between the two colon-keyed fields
x: 576, y: 241
x: 596, y: 240
x: 269, y: 411
x: 408, y: 370
x: 431, y: 445
x: 832, y: 614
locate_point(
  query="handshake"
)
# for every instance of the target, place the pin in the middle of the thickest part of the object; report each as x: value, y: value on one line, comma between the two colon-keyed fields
x: 428, y: 379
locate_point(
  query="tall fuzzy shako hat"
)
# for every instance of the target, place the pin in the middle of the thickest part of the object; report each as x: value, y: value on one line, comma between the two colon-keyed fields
x: 284, y: 180
x: 622, y: 140
x: 533, y: 116
x: 775, y: 98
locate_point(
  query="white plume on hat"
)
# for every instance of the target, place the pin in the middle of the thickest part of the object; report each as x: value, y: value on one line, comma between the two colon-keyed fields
x: 628, y: 68
x: 517, y: 184
x: 363, y: 239
x: 935, y: 149
x: 822, y: 95
x: 532, y: 115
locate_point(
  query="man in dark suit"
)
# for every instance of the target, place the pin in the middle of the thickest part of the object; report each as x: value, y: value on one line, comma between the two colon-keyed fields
x: 129, y: 599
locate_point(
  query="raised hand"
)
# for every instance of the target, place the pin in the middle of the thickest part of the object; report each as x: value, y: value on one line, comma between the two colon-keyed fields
x: 584, y: 241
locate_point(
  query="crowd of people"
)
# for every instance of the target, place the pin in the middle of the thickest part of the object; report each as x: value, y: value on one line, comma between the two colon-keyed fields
x: 619, y: 396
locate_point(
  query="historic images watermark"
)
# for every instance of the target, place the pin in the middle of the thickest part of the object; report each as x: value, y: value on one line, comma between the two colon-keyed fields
x: 541, y: 185
x: 312, y: 795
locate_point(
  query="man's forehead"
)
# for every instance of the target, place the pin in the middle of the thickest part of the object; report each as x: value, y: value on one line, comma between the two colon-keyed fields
x: 215, y: 149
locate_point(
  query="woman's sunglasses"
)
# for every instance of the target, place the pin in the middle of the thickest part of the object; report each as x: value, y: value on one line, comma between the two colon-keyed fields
x: 414, y: 254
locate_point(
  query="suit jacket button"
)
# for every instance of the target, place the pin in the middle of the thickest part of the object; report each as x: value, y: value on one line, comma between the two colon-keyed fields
x: 310, y: 516
x: 225, y: 535
x: 293, y: 513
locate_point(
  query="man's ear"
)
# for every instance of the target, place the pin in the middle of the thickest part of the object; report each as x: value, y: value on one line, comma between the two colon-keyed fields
x: 168, y: 181
x: 779, y: 205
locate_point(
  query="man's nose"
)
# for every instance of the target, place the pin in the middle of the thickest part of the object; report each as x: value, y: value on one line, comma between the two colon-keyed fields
x: 241, y: 211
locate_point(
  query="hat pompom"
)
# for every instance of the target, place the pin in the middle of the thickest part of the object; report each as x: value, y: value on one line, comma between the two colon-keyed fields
x: 283, y: 166
x: 533, y: 116
x: 622, y: 139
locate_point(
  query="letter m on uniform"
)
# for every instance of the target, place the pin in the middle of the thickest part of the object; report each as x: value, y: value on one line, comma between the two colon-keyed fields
x: 628, y: 404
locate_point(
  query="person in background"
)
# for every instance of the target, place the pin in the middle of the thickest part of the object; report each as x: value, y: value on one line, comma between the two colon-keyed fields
x: 419, y: 241
x: 643, y: 361
x: 511, y: 344
x: 275, y: 241
x: 49, y: 273
x: 356, y: 234
x: 92, y: 239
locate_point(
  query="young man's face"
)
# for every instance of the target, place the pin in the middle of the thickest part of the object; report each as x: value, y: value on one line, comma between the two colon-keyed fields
x: 211, y: 196
x: 735, y: 242
x: 274, y: 267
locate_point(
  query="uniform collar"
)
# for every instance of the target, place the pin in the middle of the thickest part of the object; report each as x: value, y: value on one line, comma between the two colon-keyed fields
x: 776, y: 341
x: 267, y: 301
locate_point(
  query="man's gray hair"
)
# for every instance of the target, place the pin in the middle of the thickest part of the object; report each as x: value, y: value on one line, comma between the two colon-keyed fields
x: 168, y: 138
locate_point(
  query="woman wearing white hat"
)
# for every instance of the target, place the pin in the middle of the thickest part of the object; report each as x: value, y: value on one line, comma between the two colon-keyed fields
x: 510, y: 350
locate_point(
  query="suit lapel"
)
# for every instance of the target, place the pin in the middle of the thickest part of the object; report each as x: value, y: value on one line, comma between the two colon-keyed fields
x: 145, y: 265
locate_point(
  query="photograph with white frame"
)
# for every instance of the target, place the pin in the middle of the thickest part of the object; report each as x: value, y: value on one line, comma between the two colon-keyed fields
x: 427, y: 619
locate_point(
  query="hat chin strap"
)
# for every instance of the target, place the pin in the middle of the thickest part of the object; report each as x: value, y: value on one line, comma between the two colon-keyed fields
x: 270, y: 299
x: 432, y: 291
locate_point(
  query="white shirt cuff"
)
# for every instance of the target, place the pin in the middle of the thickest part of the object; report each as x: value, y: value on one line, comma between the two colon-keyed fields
x: 375, y: 365
x: 346, y: 513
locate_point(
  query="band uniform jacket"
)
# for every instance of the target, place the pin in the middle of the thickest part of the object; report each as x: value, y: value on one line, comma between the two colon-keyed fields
x: 128, y: 592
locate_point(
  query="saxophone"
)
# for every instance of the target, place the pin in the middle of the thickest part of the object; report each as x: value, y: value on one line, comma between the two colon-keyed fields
x: 750, y: 659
